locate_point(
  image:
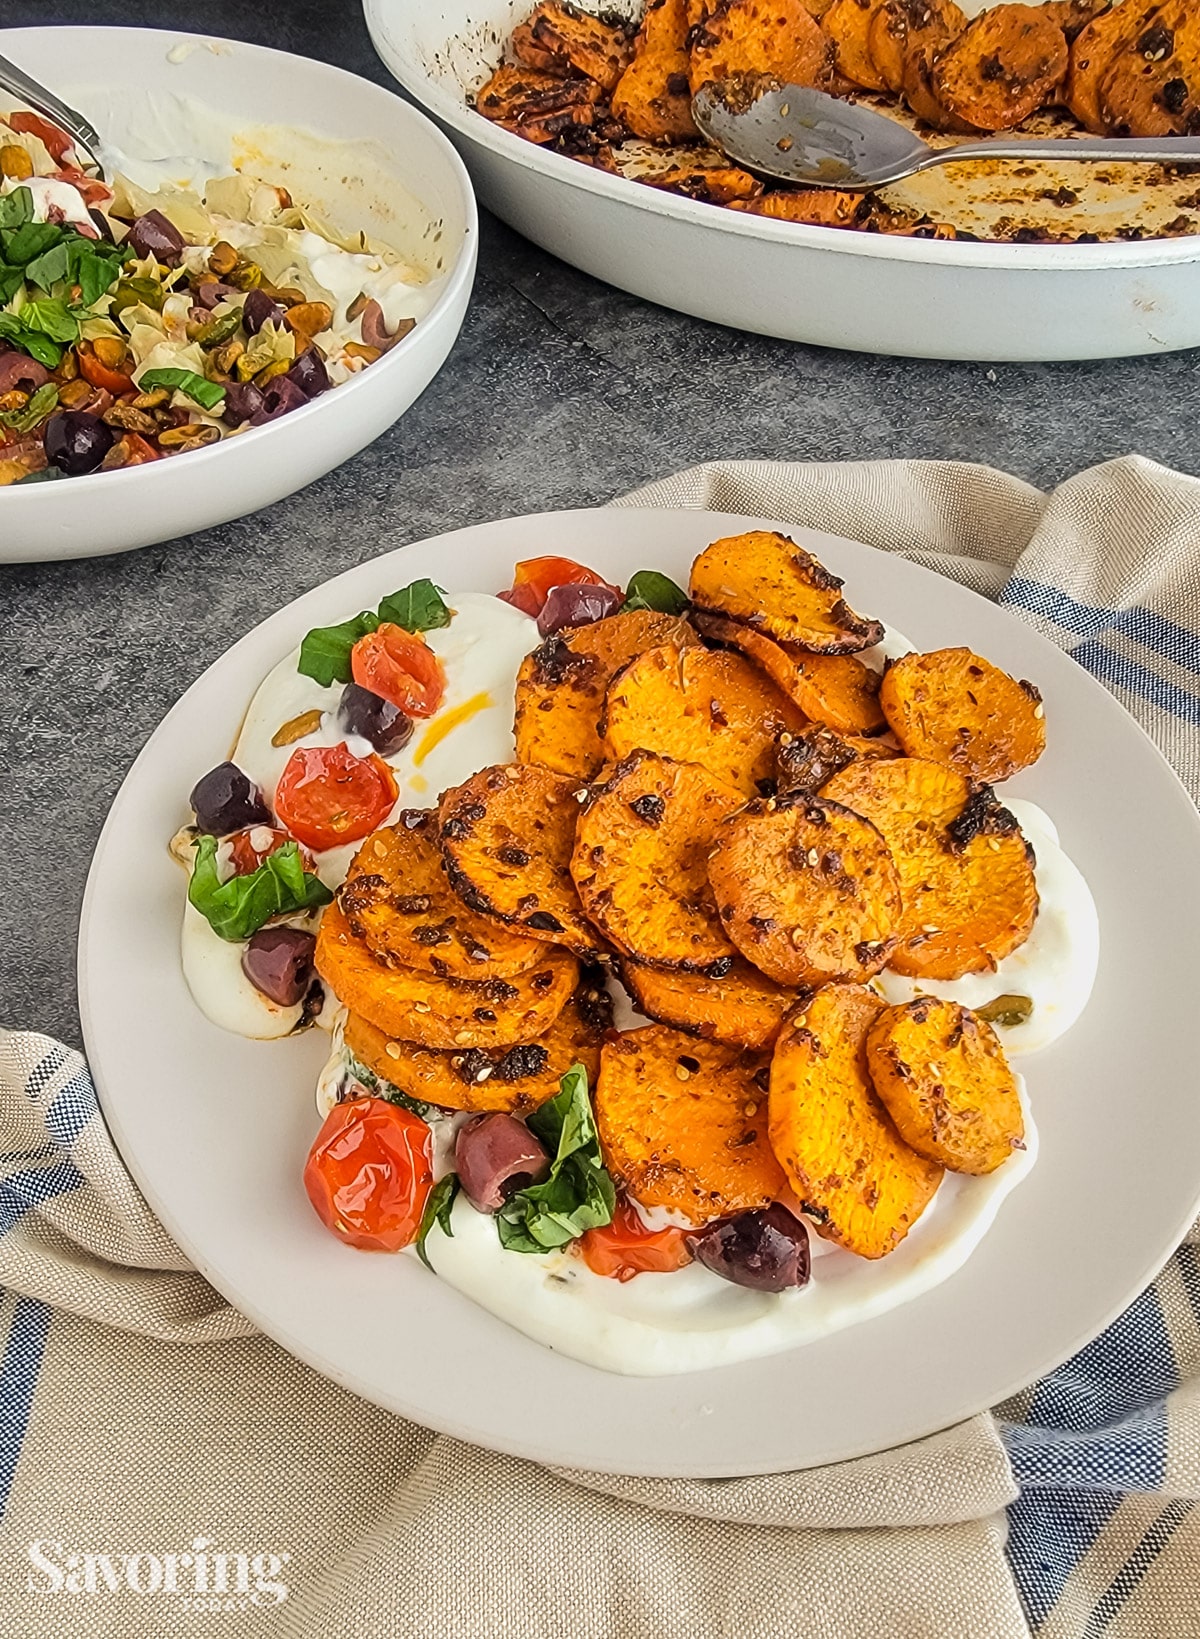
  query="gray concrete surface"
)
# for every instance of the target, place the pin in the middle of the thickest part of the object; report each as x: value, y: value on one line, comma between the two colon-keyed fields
x: 560, y: 392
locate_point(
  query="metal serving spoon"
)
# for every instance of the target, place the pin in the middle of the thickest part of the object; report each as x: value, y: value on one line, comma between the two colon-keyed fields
x: 31, y: 91
x: 803, y: 136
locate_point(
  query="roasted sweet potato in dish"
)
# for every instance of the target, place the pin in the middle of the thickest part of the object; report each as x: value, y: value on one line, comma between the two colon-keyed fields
x: 848, y: 25
x: 640, y: 862
x: 442, y: 1013
x: 920, y: 93
x: 1093, y: 52
x: 743, y: 1008
x: 1152, y: 87
x: 654, y: 95
x: 683, y: 1123
x: 515, y: 93
x: 900, y: 26
x: 778, y: 37
x: 703, y: 174
x: 954, y: 707
x: 807, y: 890
x: 496, y: 1078
x: 819, y: 207
x: 840, y: 1150
x: 834, y: 689
x: 966, y: 872
x: 398, y: 898
x: 506, y: 836
x: 803, y: 762
x: 561, y: 686
x: 1073, y: 16
x: 776, y: 586
x: 596, y: 49
x: 530, y: 54
x: 943, y: 1076
x: 699, y: 706
x: 1003, y: 67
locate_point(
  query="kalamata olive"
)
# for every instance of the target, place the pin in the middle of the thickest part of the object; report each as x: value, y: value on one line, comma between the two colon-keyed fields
x: 495, y: 1155
x: 576, y: 606
x: 100, y: 221
x: 243, y: 401
x: 211, y: 291
x: 767, y: 1251
x: 373, y: 718
x: 19, y: 370
x: 77, y: 442
x: 258, y: 309
x: 226, y: 800
x: 278, y: 961
x: 279, y: 397
x: 153, y: 235
x: 309, y: 374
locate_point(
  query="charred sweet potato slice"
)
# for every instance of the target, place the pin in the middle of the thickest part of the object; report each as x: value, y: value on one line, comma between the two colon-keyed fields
x: 807, y: 890
x: 778, y: 37
x: 966, y: 872
x: 640, y: 862
x: 1094, y: 51
x: 954, y: 707
x: 597, y: 49
x: 899, y: 26
x: 920, y: 93
x: 819, y: 207
x: 561, y: 686
x: 848, y: 25
x: 699, y: 706
x: 834, y: 689
x: 515, y: 1078
x: 803, y: 762
x: 743, y: 1008
x: 700, y: 178
x: 443, y: 1013
x: 780, y: 589
x: 1073, y: 16
x: 506, y: 836
x: 943, y: 1076
x: 530, y: 54
x: 654, y: 95
x: 1152, y: 87
x: 683, y: 1123
x: 398, y: 898
x: 1003, y: 67
x: 515, y: 93
x: 839, y: 1148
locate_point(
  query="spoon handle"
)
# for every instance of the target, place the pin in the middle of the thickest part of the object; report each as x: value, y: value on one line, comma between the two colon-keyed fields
x: 1166, y: 150
x: 31, y: 91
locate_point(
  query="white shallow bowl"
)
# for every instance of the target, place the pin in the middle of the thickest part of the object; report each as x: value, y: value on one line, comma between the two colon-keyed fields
x: 384, y: 167
x: 216, y: 1128
x: 918, y: 297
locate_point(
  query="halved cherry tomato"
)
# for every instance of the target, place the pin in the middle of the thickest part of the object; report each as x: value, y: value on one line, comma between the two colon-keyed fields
x: 625, y: 1247
x: 327, y: 796
x: 139, y: 450
x: 401, y: 668
x: 91, y: 369
x: 248, y: 848
x: 369, y: 1173
x: 53, y: 138
x: 534, y: 578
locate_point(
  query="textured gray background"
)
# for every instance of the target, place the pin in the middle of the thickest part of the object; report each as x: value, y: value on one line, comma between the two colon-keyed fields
x: 559, y: 393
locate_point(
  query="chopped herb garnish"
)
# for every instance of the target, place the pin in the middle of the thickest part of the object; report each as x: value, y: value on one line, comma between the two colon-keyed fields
x: 437, y: 1211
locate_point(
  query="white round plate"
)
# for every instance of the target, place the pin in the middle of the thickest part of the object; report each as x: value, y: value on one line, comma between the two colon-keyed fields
x: 215, y: 1129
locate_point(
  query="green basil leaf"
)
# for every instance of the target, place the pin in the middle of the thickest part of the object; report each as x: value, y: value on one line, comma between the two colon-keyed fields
x: 437, y: 1211
x: 16, y: 208
x: 418, y: 608
x: 49, y: 317
x: 208, y: 394
x: 48, y: 269
x: 578, y: 1194
x: 95, y: 267
x: 33, y: 413
x: 650, y: 590
x: 325, y: 651
x: 239, y: 907
x: 38, y: 347
x: 11, y: 280
x: 21, y: 245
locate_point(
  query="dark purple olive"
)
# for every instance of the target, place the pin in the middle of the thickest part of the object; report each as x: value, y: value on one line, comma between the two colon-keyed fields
x: 226, y: 800
x: 278, y: 961
x: 373, y: 718
x: 153, y: 235
x: 19, y: 370
x: 280, y: 395
x: 101, y: 224
x: 576, y: 606
x: 309, y: 374
x: 77, y: 442
x: 494, y: 1155
x: 767, y: 1251
x: 243, y: 400
x: 257, y: 309
x: 211, y: 291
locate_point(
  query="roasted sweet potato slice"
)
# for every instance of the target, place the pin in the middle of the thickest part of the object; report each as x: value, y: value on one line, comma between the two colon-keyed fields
x: 943, y: 1076
x: 743, y: 1008
x: 599, y: 50
x: 1152, y: 87
x: 442, y: 1013
x: 530, y: 54
x: 803, y: 762
x: 1093, y: 52
x: 654, y: 95
x: 966, y: 872
x: 1073, y: 16
x: 954, y: 707
x: 506, y: 836
x: 398, y: 898
x: 819, y: 207
x: 699, y: 706
x: 640, y: 862
x: 683, y: 1123
x: 834, y: 689
x: 1003, y: 67
x: 561, y: 686
x: 839, y: 1148
x: 778, y: 37
x: 699, y: 177
x: 515, y: 93
x: 899, y: 26
x: 920, y: 93
x: 807, y: 890
x: 848, y: 25
x: 495, y: 1078
x: 780, y: 589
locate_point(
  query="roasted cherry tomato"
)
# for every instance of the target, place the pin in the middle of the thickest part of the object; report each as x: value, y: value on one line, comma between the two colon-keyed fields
x: 91, y: 369
x: 56, y: 142
x: 248, y: 848
x: 327, y: 796
x: 369, y: 1174
x: 534, y: 578
x: 401, y: 668
x: 139, y: 450
x: 625, y: 1247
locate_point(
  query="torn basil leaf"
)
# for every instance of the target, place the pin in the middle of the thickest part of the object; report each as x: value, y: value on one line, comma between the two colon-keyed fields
x: 650, y: 590
x: 437, y: 1211
x: 578, y: 1194
x: 418, y: 608
x: 239, y: 907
